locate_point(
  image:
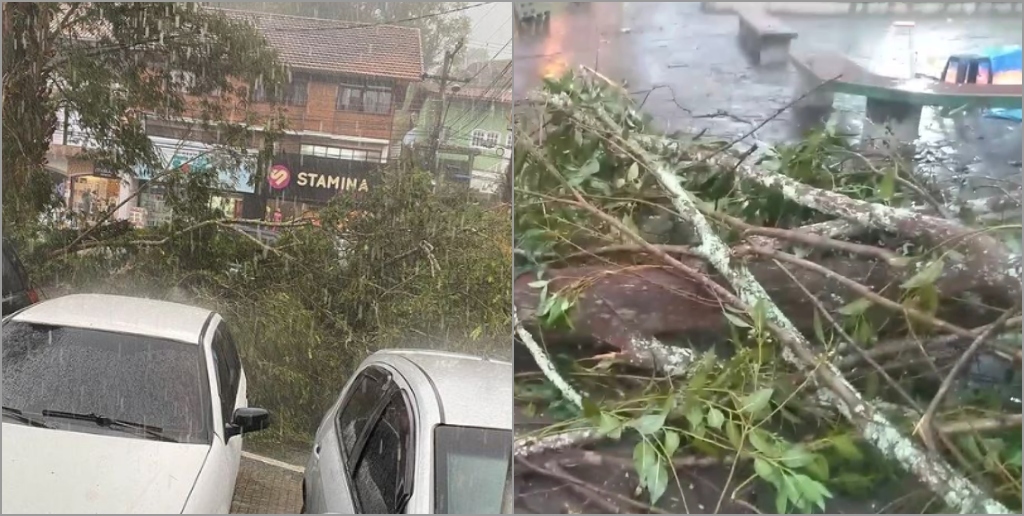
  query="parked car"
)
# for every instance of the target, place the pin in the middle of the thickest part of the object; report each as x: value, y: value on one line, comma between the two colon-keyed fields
x: 115, y: 404
x: 415, y: 432
x: 17, y: 290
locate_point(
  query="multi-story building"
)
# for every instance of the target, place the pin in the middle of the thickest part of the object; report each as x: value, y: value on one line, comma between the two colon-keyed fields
x: 345, y: 106
x: 476, y: 128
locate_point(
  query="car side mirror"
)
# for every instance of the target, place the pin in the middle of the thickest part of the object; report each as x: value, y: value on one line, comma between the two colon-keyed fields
x: 246, y: 420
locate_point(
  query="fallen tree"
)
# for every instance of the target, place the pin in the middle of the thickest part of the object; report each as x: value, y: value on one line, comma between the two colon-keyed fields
x: 882, y: 262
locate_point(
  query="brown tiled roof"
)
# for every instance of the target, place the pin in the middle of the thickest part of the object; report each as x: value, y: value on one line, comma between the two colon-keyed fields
x: 340, y: 47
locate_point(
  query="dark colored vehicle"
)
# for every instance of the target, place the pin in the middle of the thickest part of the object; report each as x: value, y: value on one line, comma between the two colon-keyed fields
x: 18, y: 292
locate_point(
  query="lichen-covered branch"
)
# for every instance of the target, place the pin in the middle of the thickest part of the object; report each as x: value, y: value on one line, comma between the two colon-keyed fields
x: 545, y: 364
x: 956, y: 491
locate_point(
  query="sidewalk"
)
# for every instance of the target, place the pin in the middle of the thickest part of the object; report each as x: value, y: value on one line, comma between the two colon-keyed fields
x: 267, y: 487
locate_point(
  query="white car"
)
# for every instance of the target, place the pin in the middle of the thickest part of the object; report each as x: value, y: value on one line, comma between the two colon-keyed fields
x: 416, y: 432
x: 121, y: 405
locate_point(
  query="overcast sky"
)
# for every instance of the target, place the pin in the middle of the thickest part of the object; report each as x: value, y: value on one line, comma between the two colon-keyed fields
x: 491, y: 28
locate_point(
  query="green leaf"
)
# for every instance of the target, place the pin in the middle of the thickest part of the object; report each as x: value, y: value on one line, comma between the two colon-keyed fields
x: 732, y: 431
x: 657, y: 481
x: 760, y: 441
x: 539, y: 283
x: 695, y: 415
x: 715, y: 418
x: 591, y: 167
x: 855, y: 308
x: 756, y: 402
x: 887, y: 186
x: 649, y: 424
x: 781, y: 501
x: 864, y: 333
x: 671, y: 442
x: 797, y: 456
x: 610, y: 426
x: 627, y: 220
x: 819, y: 467
x: 810, y: 491
x: 634, y: 172
x: 735, y: 321
x: 760, y: 314
x: 925, y: 276
x: 591, y: 411
x: 846, y: 447
x: 645, y: 457
x: 819, y: 331
x: 766, y: 470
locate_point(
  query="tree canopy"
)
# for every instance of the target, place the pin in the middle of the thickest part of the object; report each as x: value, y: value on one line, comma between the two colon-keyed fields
x: 112, y: 65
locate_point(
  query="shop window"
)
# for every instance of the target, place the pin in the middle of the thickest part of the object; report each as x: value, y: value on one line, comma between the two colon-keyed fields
x: 481, y: 138
x: 340, y: 153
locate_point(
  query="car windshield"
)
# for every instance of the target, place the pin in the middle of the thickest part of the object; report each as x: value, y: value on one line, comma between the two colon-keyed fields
x: 145, y: 380
x: 471, y: 465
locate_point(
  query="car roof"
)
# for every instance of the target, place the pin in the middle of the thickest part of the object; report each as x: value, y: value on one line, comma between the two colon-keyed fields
x: 474, y: 391
x: 120, y: 314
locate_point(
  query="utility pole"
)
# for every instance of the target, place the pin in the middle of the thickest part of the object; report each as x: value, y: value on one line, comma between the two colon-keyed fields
x: 442, y: 111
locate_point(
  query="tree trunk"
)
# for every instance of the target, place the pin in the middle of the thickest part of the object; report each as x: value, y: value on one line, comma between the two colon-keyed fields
x: 28, y: 47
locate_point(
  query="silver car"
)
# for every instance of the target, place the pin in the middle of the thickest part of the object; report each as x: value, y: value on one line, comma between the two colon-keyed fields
x: 415, y: 432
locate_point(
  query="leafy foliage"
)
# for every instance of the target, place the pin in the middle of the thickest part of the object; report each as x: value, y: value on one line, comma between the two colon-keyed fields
x: 111, y: 66
x: 402, y: 266
x: 746, y: 406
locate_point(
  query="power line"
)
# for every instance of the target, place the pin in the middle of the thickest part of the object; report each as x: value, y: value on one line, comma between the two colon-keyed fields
x: 368, y: 25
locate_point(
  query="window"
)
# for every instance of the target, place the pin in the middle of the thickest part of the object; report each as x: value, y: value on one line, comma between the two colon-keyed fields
x: 340, y: 153
x: 508, y: 141
x: 369, y: 98
x: 297, y: 91
x: 259, y: 93
x: 183, y: 82
x: 131, y: 377
x: 484, y: 139
x: 228, y: 368
x: 358, y: 407
x: 471, y: 466
x: 381, y: 478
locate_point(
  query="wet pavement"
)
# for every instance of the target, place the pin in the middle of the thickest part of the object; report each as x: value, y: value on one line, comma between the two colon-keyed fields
x: 687, y: 69
x: 264, y: 488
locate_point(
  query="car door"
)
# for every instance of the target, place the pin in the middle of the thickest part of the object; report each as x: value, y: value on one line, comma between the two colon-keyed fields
x: 214, y: 489
x: 382, y: 472
x: 232, y: 383
x: 326, y: 486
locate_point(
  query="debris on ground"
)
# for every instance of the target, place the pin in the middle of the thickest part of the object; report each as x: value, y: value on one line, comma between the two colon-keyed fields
x: 727, y: 325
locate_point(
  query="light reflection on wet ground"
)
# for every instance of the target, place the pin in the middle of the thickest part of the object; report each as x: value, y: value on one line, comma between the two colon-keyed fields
x: 688, y: 69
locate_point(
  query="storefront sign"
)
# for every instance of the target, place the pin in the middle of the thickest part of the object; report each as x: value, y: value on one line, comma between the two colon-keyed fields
x: 279, y: 177
x: 320, y: 179
x: 198, y: 156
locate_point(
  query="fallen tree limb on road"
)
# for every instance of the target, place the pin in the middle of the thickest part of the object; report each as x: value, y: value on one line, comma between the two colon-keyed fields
x: 583, y: 177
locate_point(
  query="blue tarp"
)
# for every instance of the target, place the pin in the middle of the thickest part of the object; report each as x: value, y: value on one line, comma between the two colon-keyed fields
x: 1004, y: 114
x: 1004, y: 59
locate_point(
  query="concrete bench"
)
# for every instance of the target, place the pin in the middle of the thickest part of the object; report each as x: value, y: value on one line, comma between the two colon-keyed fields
x: 763, y: 37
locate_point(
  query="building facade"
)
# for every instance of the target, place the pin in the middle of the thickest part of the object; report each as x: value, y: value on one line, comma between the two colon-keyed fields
x: 476, y: 129
x: 345, y: 107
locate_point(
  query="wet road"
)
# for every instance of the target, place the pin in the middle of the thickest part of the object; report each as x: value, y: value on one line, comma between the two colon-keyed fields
x: 686, y: 66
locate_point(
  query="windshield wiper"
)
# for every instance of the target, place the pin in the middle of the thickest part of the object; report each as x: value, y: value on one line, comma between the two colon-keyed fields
x: 17, y: 414
x: 152, y: 431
